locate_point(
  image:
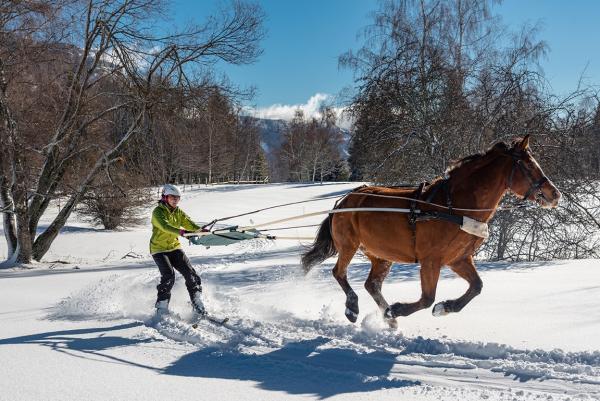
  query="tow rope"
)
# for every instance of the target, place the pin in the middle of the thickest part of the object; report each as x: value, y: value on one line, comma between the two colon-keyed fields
x: 233, y: 234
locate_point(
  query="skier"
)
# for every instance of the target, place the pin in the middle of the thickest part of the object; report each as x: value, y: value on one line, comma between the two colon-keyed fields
x: 169, y: 222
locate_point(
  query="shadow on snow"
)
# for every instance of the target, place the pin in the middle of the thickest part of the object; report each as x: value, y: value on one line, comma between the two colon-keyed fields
x: 68, y: 342
x: 297, y: 368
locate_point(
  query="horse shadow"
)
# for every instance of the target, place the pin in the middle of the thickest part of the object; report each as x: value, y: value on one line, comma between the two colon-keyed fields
x: 299, y: 368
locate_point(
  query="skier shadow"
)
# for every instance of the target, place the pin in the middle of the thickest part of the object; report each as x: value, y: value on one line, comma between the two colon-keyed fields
x: 68, y: 342
x: 297, y: 368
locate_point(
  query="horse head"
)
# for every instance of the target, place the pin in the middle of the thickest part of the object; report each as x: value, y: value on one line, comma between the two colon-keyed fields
x: 527, y: 180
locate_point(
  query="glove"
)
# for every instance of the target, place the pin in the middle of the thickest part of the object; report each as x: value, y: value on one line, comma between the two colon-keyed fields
x: 182, y: 232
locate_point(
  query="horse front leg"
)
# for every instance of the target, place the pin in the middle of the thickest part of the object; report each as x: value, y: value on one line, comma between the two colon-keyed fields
x: 465, y: 268
x: 340, y: 273
x: 430, y: 273
x: 379, y: 271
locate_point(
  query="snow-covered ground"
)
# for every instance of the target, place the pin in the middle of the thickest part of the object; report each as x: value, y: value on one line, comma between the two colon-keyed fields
x: 85, y: 330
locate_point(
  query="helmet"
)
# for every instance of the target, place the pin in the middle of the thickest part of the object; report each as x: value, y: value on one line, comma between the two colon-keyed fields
x: 170, y: 189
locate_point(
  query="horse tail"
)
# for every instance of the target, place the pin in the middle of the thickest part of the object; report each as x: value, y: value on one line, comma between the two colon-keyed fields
x: 321, y: 249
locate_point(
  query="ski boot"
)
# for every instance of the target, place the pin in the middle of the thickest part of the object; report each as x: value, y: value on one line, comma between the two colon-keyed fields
x: 198, y: 304
x: 162, y: 307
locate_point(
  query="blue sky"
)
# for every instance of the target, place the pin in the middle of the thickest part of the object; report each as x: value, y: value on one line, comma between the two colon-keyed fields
x: 571, y: 30
x: 304, y: 39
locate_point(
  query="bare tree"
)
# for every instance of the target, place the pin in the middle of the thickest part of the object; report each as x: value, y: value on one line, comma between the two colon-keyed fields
x: 25, y: 32
x: 117, y: 47
x: 116, y: 199
x: 434, y: 85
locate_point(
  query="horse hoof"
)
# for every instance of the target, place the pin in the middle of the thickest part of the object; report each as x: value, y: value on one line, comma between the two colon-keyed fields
x: 351, y: 315
x: 439, y: 310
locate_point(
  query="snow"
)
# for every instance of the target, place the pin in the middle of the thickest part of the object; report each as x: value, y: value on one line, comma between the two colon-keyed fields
x: 87, y: 330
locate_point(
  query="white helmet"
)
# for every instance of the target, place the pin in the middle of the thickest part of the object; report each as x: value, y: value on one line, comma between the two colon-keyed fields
x: 170, y: 189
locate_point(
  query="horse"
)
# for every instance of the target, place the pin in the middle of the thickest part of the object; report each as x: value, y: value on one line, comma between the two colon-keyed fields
x: 430, y: 235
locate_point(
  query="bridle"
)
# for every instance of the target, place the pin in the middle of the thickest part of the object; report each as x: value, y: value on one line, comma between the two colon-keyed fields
x: 534, y: 185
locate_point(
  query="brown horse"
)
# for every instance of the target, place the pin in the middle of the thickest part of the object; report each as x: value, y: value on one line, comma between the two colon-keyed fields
x: 431, y: 234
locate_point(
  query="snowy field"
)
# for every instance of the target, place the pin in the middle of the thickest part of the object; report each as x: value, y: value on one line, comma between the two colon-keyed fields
x: 85, y: 330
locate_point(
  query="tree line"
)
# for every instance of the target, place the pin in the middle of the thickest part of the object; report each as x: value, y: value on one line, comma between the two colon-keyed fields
x: 311, y: 149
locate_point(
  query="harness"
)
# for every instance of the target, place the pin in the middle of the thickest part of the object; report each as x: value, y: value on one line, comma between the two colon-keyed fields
x: 466, y: 223
x: 417, y: 215
x: 533, y: 185
x: 438, y: 215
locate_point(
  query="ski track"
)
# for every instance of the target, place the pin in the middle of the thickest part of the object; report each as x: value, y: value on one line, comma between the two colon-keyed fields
x: 438, y: 362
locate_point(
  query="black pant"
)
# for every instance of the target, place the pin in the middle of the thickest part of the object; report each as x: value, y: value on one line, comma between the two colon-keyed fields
x: 167, y: 263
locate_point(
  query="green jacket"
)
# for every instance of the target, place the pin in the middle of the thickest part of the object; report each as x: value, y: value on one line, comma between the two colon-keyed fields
x: 166, y: 223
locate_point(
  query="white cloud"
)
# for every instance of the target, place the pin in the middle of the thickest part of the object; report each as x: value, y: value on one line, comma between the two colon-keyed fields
x: 310, y: 110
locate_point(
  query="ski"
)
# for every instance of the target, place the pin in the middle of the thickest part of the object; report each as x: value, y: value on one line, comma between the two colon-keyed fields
x: 212, y: 319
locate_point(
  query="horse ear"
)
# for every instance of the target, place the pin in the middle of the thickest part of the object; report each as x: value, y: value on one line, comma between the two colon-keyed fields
x: 524, y: 144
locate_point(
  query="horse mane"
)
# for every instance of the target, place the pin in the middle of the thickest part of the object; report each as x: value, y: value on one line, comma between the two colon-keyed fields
x: 476, y: 161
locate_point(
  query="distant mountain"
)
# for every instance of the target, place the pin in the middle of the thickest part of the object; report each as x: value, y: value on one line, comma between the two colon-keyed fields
x: 271, y: 134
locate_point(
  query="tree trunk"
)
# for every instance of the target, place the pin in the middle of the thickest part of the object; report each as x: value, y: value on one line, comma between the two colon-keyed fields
x: 243, y: 171
x: 24, y: 239
x: 210, y: 132
x: 8, y: 218
x: 13, y: 166
x: 43, y: 242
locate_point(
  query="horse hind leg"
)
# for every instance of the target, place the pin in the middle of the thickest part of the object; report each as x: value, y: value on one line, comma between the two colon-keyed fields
x: 340, y: 273
x: 465, y: 268
x: 379, y: 271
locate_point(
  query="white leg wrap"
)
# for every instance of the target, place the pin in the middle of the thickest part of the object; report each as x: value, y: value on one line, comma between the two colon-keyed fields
x: 439, y: 310
x: 350, y: 313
